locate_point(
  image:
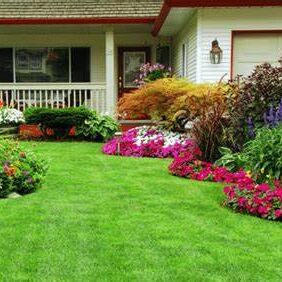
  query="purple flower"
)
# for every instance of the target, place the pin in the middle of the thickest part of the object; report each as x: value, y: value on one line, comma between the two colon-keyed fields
x: 251, y: 128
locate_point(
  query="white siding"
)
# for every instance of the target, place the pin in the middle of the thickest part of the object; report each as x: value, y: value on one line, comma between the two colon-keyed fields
x: 219, y: 23
x: 187, y: 36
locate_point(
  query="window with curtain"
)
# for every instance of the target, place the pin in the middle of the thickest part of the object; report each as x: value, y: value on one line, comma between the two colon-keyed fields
x: 52, y: 65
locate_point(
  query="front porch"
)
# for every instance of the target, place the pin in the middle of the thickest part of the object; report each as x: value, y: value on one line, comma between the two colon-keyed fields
x: 70, y: 65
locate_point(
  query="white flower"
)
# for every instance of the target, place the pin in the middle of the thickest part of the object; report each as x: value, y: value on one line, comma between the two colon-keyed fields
x: 10, y: 116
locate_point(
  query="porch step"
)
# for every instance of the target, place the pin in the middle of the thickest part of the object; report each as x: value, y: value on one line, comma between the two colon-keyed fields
x: 8, y: 132
x: 129, y: 124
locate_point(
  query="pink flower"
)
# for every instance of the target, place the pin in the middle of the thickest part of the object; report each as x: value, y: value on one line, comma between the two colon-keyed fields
x: 278, y: 213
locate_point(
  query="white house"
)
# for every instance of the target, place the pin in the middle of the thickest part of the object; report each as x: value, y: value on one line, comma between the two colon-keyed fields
x: 59, y: 53
x: 249, y: 32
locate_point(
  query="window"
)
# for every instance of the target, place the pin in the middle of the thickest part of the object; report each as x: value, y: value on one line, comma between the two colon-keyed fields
x: 163, y: 55
x: 184, y: 60
x: 42, y: 65
x: 80, y: 64
x: 45, y: 65
x: 6, y: 65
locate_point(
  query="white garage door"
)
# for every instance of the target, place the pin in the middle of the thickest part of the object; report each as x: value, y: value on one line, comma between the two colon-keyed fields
x: 251, y: 49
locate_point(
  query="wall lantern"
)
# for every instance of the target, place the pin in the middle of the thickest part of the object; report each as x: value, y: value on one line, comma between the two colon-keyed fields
x: 215, y: 53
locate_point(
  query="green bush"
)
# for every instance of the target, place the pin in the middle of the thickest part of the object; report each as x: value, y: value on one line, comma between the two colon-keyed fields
x: 262, y: 155
x: 59, y: 120
x: 20, y: 171
x: 88, y: 124
x: 97, y: 127
x: 232, y: 161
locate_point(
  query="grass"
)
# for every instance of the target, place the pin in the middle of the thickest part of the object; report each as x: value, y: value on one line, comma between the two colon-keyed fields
x: 101, y: 218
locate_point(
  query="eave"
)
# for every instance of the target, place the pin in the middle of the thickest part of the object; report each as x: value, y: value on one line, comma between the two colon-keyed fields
x: 106, y: 20
x: 169, y: 4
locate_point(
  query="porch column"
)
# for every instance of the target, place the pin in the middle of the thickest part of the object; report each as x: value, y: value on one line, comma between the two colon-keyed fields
x: 110, y: 72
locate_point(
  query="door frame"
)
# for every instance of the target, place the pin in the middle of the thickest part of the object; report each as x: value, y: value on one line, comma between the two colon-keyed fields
x: 146, y: 49
x: 250, y: 31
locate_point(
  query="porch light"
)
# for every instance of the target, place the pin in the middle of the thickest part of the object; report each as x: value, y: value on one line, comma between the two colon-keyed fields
x: 215, y: 53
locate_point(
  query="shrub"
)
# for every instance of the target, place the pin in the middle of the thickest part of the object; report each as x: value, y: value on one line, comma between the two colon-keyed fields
x: 150, y: 142
x: 59, y: 120
x: 253, y: 95
x: 230, y: 160
x: 20, y: 171
x: 261, y: 156
x: 259, y: 90
x: 157, y: 99
x: 211, y: 120
x: 97, y: 127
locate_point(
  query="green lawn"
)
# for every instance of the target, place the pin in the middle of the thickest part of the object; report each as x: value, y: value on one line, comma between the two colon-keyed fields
x: 101, y: 218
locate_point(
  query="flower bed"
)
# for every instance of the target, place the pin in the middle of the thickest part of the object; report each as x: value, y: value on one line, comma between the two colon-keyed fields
x: 243, y: 195
x: 20, y: 171
x: 257, y: 199
x: 33, y: 131
x: 152, y: 142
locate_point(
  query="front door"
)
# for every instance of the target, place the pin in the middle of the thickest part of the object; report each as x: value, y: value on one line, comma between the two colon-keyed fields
x: 129, y: 61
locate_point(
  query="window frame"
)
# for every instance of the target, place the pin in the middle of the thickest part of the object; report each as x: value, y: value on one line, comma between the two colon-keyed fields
x: 70, y: 66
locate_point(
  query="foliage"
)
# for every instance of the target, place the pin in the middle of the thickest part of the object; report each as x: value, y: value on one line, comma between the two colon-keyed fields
x: 210, y: 122
x: 261, y: 89
x: 273, y: 117
x: 230, y: 160
x: 257, y: 199
x: 150, y: 142
x: 263, y: 154
x: 205, y: 104
x: 97, y: 127
x: 10, y: 116
x: 59, y: 120
x: 149, y: 73
x: 251, y: 98
x: 157, y: 99
x: 20, y: 171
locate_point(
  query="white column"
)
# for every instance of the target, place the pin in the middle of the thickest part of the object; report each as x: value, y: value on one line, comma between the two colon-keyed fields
x: 111, y: 97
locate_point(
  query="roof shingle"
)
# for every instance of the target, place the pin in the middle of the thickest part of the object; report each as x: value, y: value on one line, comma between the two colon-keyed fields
x: 23, y: 9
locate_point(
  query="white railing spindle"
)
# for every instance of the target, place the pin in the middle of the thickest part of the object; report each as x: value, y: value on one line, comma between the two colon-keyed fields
x: 22, y: 95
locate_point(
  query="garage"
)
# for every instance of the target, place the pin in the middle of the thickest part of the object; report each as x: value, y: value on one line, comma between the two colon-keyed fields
x: 253, y: 48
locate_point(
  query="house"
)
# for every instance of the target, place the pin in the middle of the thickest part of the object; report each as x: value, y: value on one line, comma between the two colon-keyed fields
x: 60, y: 53
x: 249, y: 32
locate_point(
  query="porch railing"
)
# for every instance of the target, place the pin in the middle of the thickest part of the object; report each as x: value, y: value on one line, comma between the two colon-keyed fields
x: 22, y: 96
